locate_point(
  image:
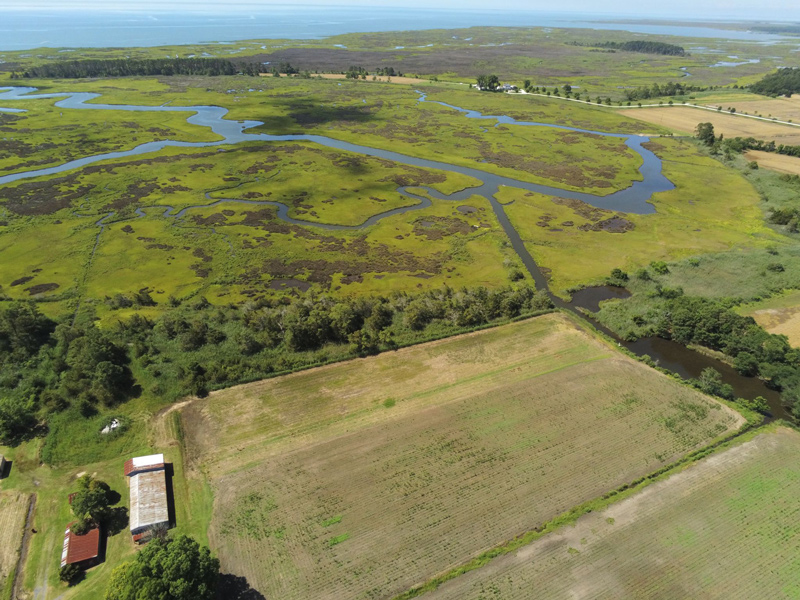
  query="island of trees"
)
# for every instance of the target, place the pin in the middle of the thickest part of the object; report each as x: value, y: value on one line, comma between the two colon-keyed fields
x: 642, y: 46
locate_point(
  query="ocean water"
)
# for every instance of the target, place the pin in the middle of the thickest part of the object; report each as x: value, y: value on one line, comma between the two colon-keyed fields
x: 29, y: 29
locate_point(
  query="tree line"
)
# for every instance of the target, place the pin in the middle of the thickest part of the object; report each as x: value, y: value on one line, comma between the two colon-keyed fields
x: 784, y: 82
x: 359, y: 72
x: 642, y: 46
x: 48, y: 367
x: 706, y: 134
x: 657, y: 91
x: 755, y: 352
x: 78, y: 69
x: 713, y: 324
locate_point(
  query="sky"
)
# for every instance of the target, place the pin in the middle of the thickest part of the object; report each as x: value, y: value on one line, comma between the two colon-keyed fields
x: 779, y: 10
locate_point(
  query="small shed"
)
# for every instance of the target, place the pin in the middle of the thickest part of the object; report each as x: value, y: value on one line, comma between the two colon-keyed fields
x: 81, y: 550
x: 2, y: 466
x: 143, y: 464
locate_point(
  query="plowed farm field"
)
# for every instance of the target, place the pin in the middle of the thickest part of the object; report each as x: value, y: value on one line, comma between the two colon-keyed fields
x: 362, y: 479
x: 725, y: 528
x: 776, y: 162
x: 13, y: 509
x: 684, y: 119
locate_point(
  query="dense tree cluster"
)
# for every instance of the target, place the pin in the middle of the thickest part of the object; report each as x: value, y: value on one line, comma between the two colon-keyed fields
x: 670, y: 88
x: 356, y: 72
x: 642, y: 46
x: 705, y: 322
x: 705, y: 133
x: 201, y: 347
x: 784, y: 82
x: 488, y: 83
x: 259, y: 338
x: 167, y: 569
x: 45, y: 367
x: 739, y: 144
x: 77, y: 69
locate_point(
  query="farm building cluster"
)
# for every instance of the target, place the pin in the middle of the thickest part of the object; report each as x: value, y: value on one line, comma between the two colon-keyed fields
x: 149, y: 512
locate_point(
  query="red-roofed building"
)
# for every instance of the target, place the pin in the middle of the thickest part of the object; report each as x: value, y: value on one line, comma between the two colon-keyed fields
x: 82, y: 550
x: 143, y: 464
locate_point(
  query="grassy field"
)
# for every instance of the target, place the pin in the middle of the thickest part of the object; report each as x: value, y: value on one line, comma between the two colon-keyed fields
x: 684, y: 119
x: 13, y: 510
x: 780, y: 314
x: 103, y: 458
x: 723, y: 528
x: 364, y: 478
x: 712, y: 209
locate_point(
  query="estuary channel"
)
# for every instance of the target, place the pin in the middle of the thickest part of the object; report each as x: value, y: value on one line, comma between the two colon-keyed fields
x: 633, y: 199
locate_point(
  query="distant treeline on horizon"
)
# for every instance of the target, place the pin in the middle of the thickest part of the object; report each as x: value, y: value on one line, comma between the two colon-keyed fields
x: 78, y: 69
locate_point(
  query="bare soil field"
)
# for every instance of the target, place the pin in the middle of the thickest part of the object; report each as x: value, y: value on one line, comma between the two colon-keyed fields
x: 784, y: 109
x: 780, y: 315
x: 776, y: 162
x: 362, y: 479
x: 13, y: 510
x: 726, y: 527
x: 684, y: 119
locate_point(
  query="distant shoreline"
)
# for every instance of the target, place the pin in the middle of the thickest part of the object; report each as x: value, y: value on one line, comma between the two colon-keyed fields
x: 22, y: 30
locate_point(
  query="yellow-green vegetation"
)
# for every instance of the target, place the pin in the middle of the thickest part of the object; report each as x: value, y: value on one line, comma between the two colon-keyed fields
x: 780, y: 315
x: 13, y: 511
x: 374, y: 475
x: 230, y: 251
x: 46, y: 135
x: 53, y: 485
x: 723, y: 528
x: 392, y: 118
x: 712, y: 209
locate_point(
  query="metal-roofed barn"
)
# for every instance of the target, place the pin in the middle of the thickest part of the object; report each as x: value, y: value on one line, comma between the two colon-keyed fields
x: 148, y: 491
x: 82, y: 550
x: 141, y: 464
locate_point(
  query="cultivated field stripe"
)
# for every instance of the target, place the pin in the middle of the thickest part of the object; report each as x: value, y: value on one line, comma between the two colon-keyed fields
x: 487, y: 437
x: 726, y: 527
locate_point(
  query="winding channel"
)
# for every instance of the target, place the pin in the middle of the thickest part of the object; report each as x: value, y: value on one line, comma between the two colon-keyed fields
x: 633, y: 199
